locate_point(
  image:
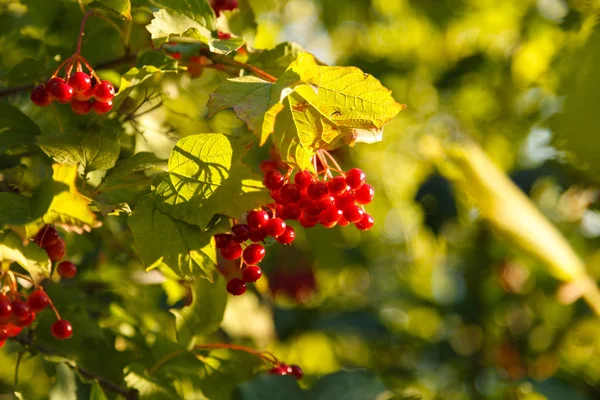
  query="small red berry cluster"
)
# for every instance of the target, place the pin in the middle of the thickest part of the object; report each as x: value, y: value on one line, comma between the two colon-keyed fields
x: 284, y: 369
x: 243, y: 243
x: 337, y: 201
x: 84, y: 92
x: 49, y: 240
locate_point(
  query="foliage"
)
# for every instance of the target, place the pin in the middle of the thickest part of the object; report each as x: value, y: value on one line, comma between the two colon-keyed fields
x: 486, y: 222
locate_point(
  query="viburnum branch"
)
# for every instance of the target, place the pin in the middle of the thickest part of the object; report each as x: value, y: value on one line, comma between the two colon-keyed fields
x: 129, y: 394
x: 81, y: 28
x: 218, y: 59
x: 22, y: 276
x: 326, y: 153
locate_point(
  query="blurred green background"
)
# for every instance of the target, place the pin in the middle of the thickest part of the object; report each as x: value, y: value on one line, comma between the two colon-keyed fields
x: 449, y: 296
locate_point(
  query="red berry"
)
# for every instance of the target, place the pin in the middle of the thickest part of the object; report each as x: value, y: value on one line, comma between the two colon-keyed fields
x: 28, y: 320
x: 104, y: 92
x: 223, y: 35
x: 257, y: 218
x: 365, y: 223
x: 325, y: 203
x: 343, y: 222
x: 81, y: 107
x: 62, y: 92
x: 241, y: 232
x: 257, y: 235
x: 303, y: 179
x: 290, y: 211
x: 5, y: 309
x: 275, y: 227
x: 278, y: 371
x: 49, y: 86
x: 331, y: 215
x: 307, y: 223
x: 232, y: 252
x: 20, y: 310
x: 317, y: 190
x: 267, y: 165
x: 13, y: 330
x: 344, y: 201
x: 276, y: 196
x: 290, y: 193
x: 337, y: 186
x: 236, y: 286
x: 253, y: 254
x: 353, y: 213
x: 47, y: 236
x: 312, y: 213
x: 223, y: 240
x: 56, y: 251
x: 40, y: 97
x: 251, y: 273
x: 364, y: 194
x: 62, y: 329
x: 85, y: 96
x: 38, y: 300
x: 355, y: 178
x: 3, y: 333
x: 288, y: 236
x: 222, y: 5
x: 66, y: 269
x: 101, y: 107
x: 297, y: 371
x: 286, y: 368
x: 80, y: 82
x: 273, y: 180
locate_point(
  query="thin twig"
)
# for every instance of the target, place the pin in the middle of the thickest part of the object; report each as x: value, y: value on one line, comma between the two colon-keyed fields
x: 17, y: 365
x: 129, y: 394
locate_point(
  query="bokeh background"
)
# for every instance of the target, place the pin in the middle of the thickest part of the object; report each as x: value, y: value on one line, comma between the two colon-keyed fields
x: 451, y: 295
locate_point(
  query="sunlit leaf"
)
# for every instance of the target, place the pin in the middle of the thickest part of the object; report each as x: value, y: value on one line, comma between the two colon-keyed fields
x: 32, y: 258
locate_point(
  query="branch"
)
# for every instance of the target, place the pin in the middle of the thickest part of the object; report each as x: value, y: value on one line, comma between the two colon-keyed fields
x: 219, y: 59
x: 129, y: 394
x: 126, y: 59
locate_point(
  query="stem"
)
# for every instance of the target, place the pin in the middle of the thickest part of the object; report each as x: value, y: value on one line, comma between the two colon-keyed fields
x: 22, y: 276
x: 129, y: 394
x: 326, y: 153
x: 250, y: 68
x: 81, y: 28
x: 17, y: 365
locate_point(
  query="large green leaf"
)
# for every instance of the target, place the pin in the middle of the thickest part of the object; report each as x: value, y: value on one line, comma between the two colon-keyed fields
x: 149, y: 387
x: 93, y: 147
x: 355, y: 385
x: 310, y: 107
x: 276, y: 60
x: 30, y: 257
x: 159, y: 238
x: 205, y: 174
x: 204, y: 315
x: 15, y: 209
x: 16, y: 129
x: 57, y: 201
x: 197, y: 10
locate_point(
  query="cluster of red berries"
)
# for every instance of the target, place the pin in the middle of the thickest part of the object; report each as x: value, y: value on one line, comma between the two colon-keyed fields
x: 49, y: 240
x: 243, y: 243
x: 16, y: 313
x: 85, y: 93
x: 284, y: 369
x: 338, y: 201
x: 223, y: 5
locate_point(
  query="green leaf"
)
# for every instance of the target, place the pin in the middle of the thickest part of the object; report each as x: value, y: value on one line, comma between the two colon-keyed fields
x: 182, y: 247
x: 121, y: 8
x: 15, y: 209
x: 248, y: 96
x: 149, y: 387
x: 16, y: 129
x: 65, y: 387
x: 32, y: 258
x: 57, y: 200
x: 94, y: 147
x: 198, y: 10
x: 276, y: 60
x: 143, y: 161
x: 197, y: 25
x: 310, y: 107
x: 205, y: 314
x: 97, y: 393
x: 205, y: 173
x: 355, y: 385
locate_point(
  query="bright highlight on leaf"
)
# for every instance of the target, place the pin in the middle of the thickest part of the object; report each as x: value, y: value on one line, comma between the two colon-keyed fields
x: 310, y: 107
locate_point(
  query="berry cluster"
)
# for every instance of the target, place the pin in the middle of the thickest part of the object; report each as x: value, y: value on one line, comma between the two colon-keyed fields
x: 47, y: 238
x: 84, y: 92
x: 337, y: 201
x: 243, y: 243
x: 284, y: 369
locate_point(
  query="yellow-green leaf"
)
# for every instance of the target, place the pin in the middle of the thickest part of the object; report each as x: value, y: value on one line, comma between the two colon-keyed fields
x: 31, y: 257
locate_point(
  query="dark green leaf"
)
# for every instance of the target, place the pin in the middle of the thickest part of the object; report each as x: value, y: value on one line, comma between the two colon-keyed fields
x: 138, y: 162
x: 121, y: 8
x: 16, y: 129
x: 15, y: 209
